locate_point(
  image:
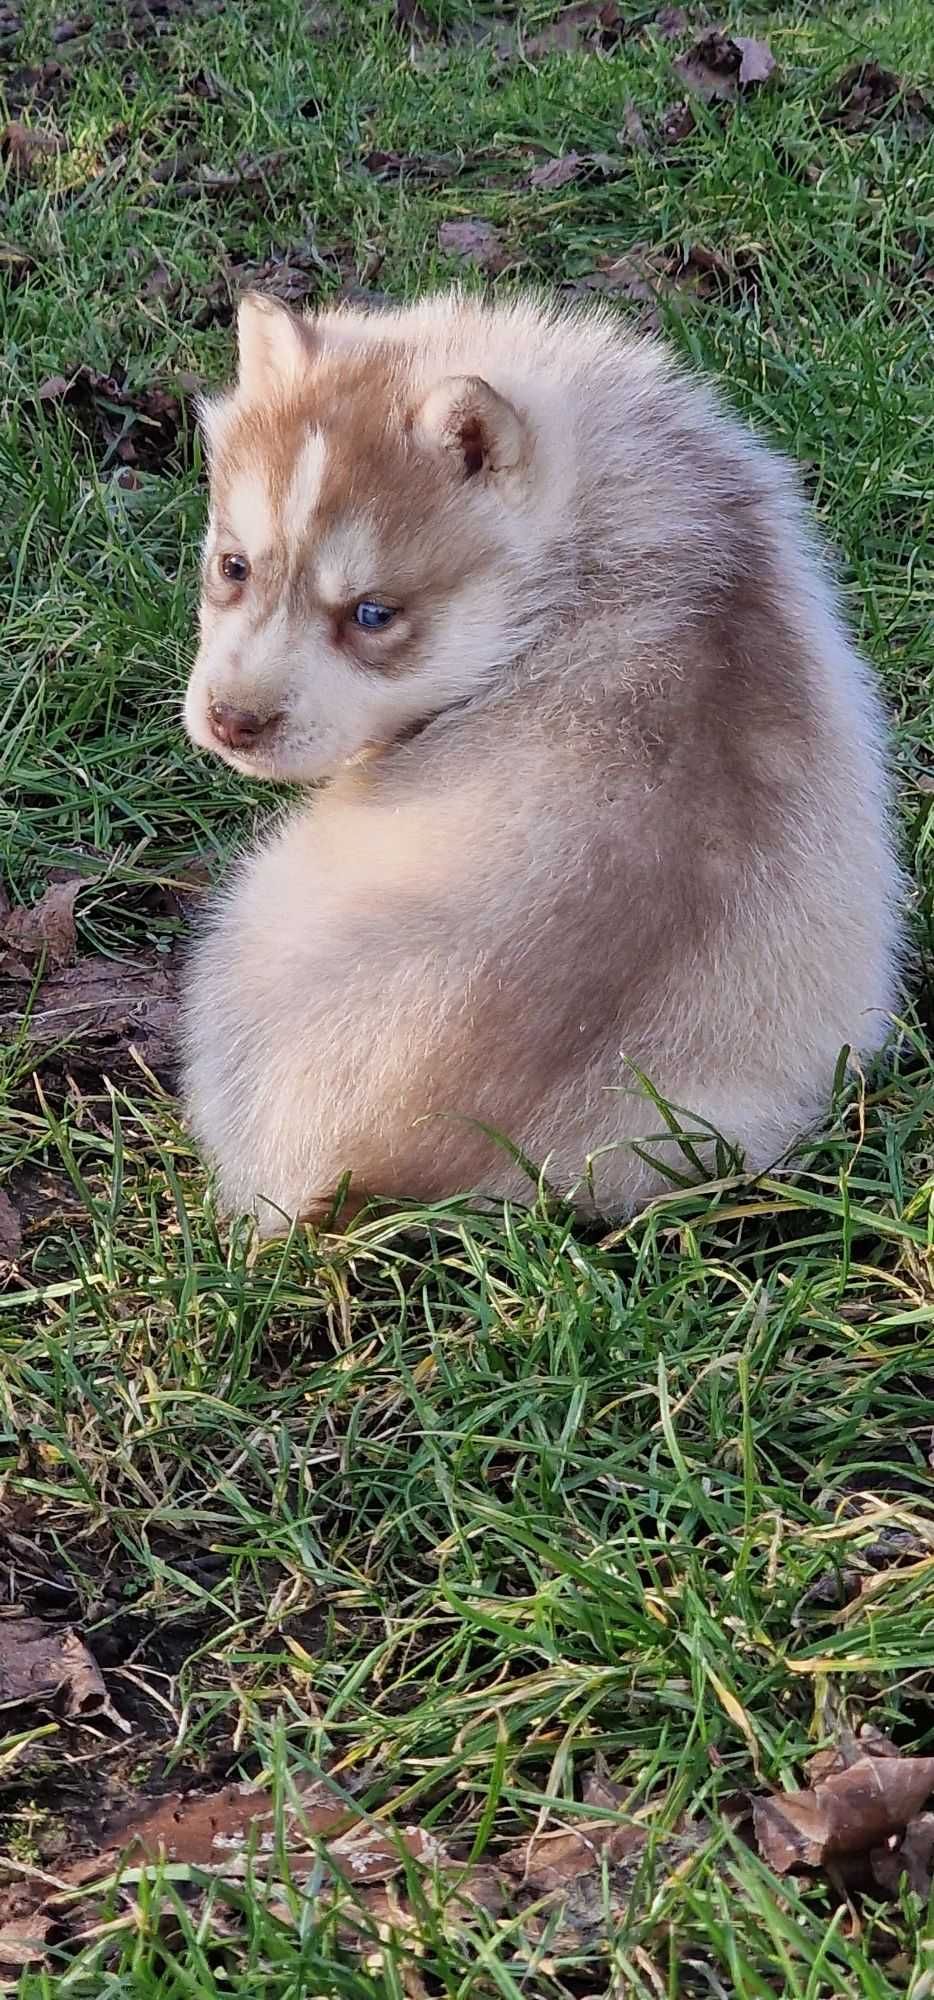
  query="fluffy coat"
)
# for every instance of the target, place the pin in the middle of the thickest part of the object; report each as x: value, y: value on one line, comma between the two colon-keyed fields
x: 606, y: 800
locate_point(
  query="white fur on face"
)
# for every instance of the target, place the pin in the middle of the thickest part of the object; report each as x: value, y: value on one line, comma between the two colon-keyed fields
x: 347, y: 561
x: 304, y: 488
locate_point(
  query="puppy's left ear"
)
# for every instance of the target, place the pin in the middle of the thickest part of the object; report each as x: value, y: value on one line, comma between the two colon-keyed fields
x: 482, y: 432
x: 274, y: 346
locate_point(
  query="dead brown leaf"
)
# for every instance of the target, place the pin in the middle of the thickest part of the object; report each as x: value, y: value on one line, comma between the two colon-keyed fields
x: 677, y: 122
x: 633, y: 132
x: 46, y: 1665
x: 597, y: 23
x: 671, y: 23
x: 575, y: 1916
x: 476, y: 242
x: 719, y: 66
x: 216, y: 1829
x: 422, y: 167
x: 292, y: 275
x: 557, y: 173
x: 640, y: 274
x: 866, y: 92
x: 849, y: 1812
x: 410, y: 16
x: 910, y: 1859
x: 11, y: 24
x: 104, y: 1009
x: 68, y: 31
x: 11, y: 1230
x: 46, y: 926
x: 240, y: 1827
x: 22, y: 144
x: 35, y: 84
x: 709, y: 273
x: 549, y: 1861
x: 23, y: 1940
x: 757, y: 62
x: 847, y: 1750
x: 599, y: 1789
x: 248, y: 169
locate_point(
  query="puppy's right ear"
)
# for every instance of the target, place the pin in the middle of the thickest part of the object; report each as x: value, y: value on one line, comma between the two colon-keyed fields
x: 478, y: 430
x: 275, y: 347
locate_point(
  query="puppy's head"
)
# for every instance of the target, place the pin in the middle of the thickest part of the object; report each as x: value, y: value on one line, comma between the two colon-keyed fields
x: 372, y: 520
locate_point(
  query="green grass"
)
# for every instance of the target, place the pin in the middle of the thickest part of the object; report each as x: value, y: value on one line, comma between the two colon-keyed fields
x: 454, y: 1504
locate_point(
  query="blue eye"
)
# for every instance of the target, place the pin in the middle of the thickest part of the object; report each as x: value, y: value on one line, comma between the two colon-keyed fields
x: 372, y: 616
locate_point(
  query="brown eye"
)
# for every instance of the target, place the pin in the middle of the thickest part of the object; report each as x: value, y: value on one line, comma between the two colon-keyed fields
x: 235, y: 569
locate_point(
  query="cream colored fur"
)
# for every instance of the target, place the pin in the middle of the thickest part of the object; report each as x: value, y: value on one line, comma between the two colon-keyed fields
x: 611, y: 799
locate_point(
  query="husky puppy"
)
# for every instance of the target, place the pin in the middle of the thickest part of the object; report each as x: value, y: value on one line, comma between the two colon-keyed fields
x: 599, y: 786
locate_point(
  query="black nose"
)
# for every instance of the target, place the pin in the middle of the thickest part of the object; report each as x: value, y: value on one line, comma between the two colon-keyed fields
x: 239, y: 728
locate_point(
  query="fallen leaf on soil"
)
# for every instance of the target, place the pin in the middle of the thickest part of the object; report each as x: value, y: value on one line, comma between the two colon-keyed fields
x: 597, y: 22
x: 292, y: 275
x: 241, y: 1827
x: 582, y: 1912
x: 422, y: 167
x: 24, y: 1939
x: 47, y: 1664
x: 671, y: 23
x: 912, y: 1857
x: 46, y: 926
x: 476, y: 241
x: 556, y: 173
x: 548, y: 1861
x: 756, y: 61
x: 40, y: 1195
x: 103, y: 1009
x: 142, y: 18
x: 561, y: 1883
x: 68, y: 31
x: 219, y: 180
x: 11, y: 1230
x: 11, y: 24
x: 639, y: 274
x: 866, y: 92
x: 847, y: 1750
x: 710, y: 274
x: 850, y: 1812
x: 719, y: 66
x: 645, y: 275
x: 219, y: 1829
x: 408, y: 14
x: 600, y: 1789
x: 140, y: 427
x: 633, y: 132
x: 35, y: 84
x: 21, y: 144
x: 213, y: 1829
x: 677, y: 122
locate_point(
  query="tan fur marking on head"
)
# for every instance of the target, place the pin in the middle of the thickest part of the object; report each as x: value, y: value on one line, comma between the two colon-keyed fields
x: 248, y: 512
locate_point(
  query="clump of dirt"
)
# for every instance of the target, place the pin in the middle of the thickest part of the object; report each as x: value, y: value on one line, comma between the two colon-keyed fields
x: 866, y: 94
x: 148, y: 428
